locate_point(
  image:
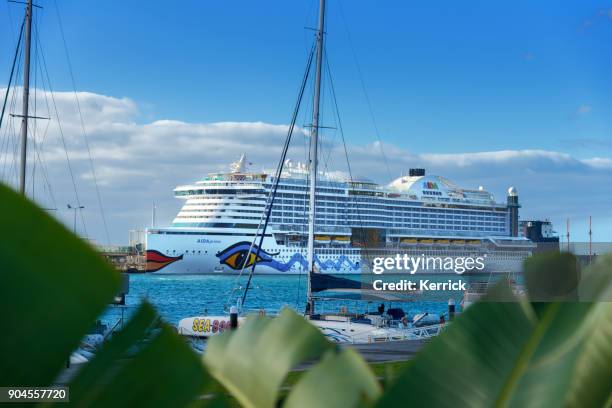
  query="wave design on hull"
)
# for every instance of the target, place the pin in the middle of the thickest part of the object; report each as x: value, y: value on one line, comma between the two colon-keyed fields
x: 234, y: 256
x: 156, y: 260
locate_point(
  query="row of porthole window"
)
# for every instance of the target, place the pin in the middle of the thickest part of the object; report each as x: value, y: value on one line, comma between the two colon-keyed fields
x: 193, y: 252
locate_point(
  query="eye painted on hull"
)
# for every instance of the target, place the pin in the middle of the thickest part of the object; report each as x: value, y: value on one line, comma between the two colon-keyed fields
x: 237, y: 260
x: 235, y: 255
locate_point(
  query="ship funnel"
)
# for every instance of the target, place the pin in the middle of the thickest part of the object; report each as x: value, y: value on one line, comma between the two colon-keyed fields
x: 416, y: 172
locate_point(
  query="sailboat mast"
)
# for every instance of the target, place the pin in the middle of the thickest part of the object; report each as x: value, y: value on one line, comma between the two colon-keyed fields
x: 26, y: 97
x: 314, y: 136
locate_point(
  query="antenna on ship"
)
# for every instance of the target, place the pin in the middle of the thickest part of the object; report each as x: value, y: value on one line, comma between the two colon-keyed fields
x: 314, y: 135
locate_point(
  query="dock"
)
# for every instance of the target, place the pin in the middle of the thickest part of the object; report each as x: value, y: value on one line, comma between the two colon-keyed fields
x: 399, y: 350
x: 130, y: 259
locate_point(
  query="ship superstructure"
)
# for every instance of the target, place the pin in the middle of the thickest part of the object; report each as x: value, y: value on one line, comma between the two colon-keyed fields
x: 416, y: 213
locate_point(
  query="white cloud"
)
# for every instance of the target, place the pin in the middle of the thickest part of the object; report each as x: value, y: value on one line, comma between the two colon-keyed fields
x: 140, y: 163
x: 599, y: 162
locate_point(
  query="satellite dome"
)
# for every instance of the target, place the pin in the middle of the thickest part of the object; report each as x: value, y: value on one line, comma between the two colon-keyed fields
x: 512, y: 191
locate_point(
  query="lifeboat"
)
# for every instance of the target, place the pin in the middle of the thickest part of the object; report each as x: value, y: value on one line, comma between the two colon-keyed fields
x: 409, y: 241
x: 341, y: 240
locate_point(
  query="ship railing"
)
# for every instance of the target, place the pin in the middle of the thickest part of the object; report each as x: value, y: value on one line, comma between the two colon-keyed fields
x: 424, y: 332
x: 299, y: 229
x: 512, y: 243
x: 410, y: 333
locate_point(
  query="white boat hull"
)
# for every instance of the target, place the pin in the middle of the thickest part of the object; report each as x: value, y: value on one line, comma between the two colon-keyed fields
x: 340, y: 330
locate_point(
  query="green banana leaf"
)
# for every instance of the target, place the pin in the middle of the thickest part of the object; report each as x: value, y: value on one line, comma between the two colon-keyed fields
x: 52, y: 288
x: 139, y: 366
x: 94, y: 377
x: 593, y: 369
x: 513, y: 354
x: 340, y: 380
x: 253, y: 361
x: 165, y: 373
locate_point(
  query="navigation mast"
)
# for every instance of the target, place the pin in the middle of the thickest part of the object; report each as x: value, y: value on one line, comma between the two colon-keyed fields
x: 314, y: 135
x: 26, y: 97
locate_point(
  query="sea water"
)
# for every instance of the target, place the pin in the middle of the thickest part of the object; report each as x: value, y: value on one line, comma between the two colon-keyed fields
x: 179, y: 296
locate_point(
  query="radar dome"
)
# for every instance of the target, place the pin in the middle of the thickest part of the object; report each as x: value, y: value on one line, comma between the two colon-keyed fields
x: 512, y: 192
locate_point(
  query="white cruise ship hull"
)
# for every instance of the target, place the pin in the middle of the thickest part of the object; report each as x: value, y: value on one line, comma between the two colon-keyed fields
x: 196, y: 252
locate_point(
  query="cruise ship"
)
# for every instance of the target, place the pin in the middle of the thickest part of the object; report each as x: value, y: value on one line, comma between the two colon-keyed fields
x: 418, y: 214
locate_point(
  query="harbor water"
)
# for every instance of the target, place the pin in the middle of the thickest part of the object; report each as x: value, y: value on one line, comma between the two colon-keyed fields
x: 179, y: 296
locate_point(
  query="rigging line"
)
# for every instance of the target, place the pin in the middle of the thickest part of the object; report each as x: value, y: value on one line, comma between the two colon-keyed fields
x: 348, y: 163
x: 10, y: 130
x: 332, y: 139
x: 40, y: 154
x: 236, y: 286
x: 303, y: 230
x: 306, y: 113
x: 259, y: 228
x: 34, y: 128
x: 93, y: 170
x: 45, y: 177
x: 308, y: 18
x: 10, y: 19
x: 304, y: 205
x: 61, y: 132
x: 6, y: 136
x: 8, y: 87
x: 279, y: 169
x: 365, y: 92
x: 46, y: 99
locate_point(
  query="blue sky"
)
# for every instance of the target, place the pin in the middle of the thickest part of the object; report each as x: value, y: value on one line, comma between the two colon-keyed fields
x: 442, y: 77
x: 473, y: 76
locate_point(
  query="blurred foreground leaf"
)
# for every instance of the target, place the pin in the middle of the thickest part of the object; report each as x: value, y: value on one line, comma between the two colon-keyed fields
x: 139, y: 366
x: 340, y: 380
x: 507, y: 354
x: 253, y: 361
x: 592, y: 375
x: 52, y: 287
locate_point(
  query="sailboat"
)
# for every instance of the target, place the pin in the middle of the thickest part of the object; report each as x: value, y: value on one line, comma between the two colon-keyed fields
x: 28, y: 39
x: 339, y: 327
